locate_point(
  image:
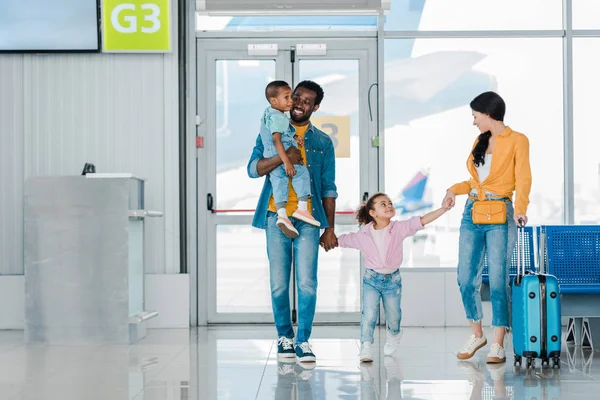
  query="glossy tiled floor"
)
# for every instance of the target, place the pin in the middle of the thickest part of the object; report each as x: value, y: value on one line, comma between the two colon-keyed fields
x: 239, y: 362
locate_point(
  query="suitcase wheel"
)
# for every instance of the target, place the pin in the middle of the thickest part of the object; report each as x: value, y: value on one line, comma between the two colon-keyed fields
x: 545, y: 362
x: 530, y: 363
x: 517, y: 361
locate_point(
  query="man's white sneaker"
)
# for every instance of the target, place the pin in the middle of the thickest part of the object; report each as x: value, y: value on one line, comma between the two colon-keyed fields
x: 496, y: 355
x: 392, y: 343
x: 285, y: 349
x: 366, y: 353
x: 304, y: 353
x: 471, y: 346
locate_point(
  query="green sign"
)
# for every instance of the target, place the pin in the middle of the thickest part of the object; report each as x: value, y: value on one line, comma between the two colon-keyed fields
x: 136, y: 26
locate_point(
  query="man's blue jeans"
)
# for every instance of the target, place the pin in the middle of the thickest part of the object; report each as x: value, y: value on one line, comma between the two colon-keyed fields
x: 305, y: 252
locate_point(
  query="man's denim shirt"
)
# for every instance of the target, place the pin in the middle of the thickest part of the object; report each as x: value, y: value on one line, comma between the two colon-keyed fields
x: 320, y: 161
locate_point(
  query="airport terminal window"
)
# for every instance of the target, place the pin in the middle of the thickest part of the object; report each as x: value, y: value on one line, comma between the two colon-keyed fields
x: 586, y: 86
x: 339, y: 269
x: 242, y: 270
x: 286, y: 23
x: 586, y: 14
x: 243, y: 273
x: 428, y: 133
x: 240, y: 102
x: 340, y: 107
x: 434, y: 15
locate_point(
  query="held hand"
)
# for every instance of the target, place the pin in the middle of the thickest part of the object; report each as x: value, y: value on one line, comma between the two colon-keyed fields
x: 449, y: 200
x: 294, y: 155
x: 329, y: 240
x: 521, y: 219
x: 447, y: 205
x: 289, y: 169
x: 299, y: 140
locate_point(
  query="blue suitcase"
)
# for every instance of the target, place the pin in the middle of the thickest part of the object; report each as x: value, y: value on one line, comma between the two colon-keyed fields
x: 536, y: 320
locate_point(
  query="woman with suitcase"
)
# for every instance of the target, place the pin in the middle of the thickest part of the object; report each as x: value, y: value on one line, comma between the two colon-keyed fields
x: 498, y: 165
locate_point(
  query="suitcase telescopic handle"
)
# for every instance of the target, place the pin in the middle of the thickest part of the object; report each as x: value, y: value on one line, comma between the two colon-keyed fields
x: 521, y: 247
x: 542, y: 264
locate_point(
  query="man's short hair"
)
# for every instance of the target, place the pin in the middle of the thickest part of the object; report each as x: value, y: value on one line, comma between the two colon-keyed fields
x: 315, y: 87
x: 272, y: 89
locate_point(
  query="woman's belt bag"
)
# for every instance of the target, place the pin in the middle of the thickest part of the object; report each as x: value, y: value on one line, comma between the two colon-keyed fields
x: 489, y: 212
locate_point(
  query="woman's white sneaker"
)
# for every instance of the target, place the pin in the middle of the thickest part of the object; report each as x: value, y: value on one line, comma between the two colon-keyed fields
x: 471, y: 346
x: 497, y: 355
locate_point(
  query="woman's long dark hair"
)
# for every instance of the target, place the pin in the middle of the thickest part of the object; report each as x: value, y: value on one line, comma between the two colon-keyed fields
x: 489, y: 103
x: 362, y: 215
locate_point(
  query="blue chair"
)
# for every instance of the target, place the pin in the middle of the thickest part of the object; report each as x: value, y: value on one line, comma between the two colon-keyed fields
x: 573, y: 256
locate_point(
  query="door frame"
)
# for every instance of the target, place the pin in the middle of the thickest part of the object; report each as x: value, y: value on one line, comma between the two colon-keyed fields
x: 208, y: 51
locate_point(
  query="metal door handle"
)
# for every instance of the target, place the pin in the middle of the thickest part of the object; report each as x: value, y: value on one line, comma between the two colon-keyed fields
x: 209, y: 203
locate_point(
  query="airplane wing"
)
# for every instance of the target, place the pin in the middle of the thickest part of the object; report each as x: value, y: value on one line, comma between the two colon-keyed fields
x: 416, y: 79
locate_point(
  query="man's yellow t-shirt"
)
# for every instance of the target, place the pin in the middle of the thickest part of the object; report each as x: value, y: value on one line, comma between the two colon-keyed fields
x: 292, y: 203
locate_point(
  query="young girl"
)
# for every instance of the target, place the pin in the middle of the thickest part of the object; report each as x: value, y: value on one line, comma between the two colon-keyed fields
x: 380, y: 241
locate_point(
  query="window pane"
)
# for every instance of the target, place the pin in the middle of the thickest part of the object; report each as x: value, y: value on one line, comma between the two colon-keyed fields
x: 428, y: 133
x: 586, y: 86
x: 286, y: 23
x: 586, y: 14
x: 240, y: 102
x: 243, y: 282
x: 338, y: 117
x: 433, y: 15
x: 339, y: 278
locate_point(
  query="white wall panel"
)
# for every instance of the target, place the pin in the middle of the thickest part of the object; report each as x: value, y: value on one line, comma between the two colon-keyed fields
x: 118, y: 111
x: 104, y: 109
x: 11, y: 164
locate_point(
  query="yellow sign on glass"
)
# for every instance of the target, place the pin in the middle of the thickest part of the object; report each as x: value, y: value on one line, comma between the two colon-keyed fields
x: 338, y: 129
x: 137, y: 26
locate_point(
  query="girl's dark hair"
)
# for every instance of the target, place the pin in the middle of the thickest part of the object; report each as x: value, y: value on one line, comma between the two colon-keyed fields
x: 362, y: 215
x: 489, y: 103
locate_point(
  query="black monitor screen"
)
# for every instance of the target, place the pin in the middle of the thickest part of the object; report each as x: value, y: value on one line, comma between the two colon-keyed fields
x: 49, y: 25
